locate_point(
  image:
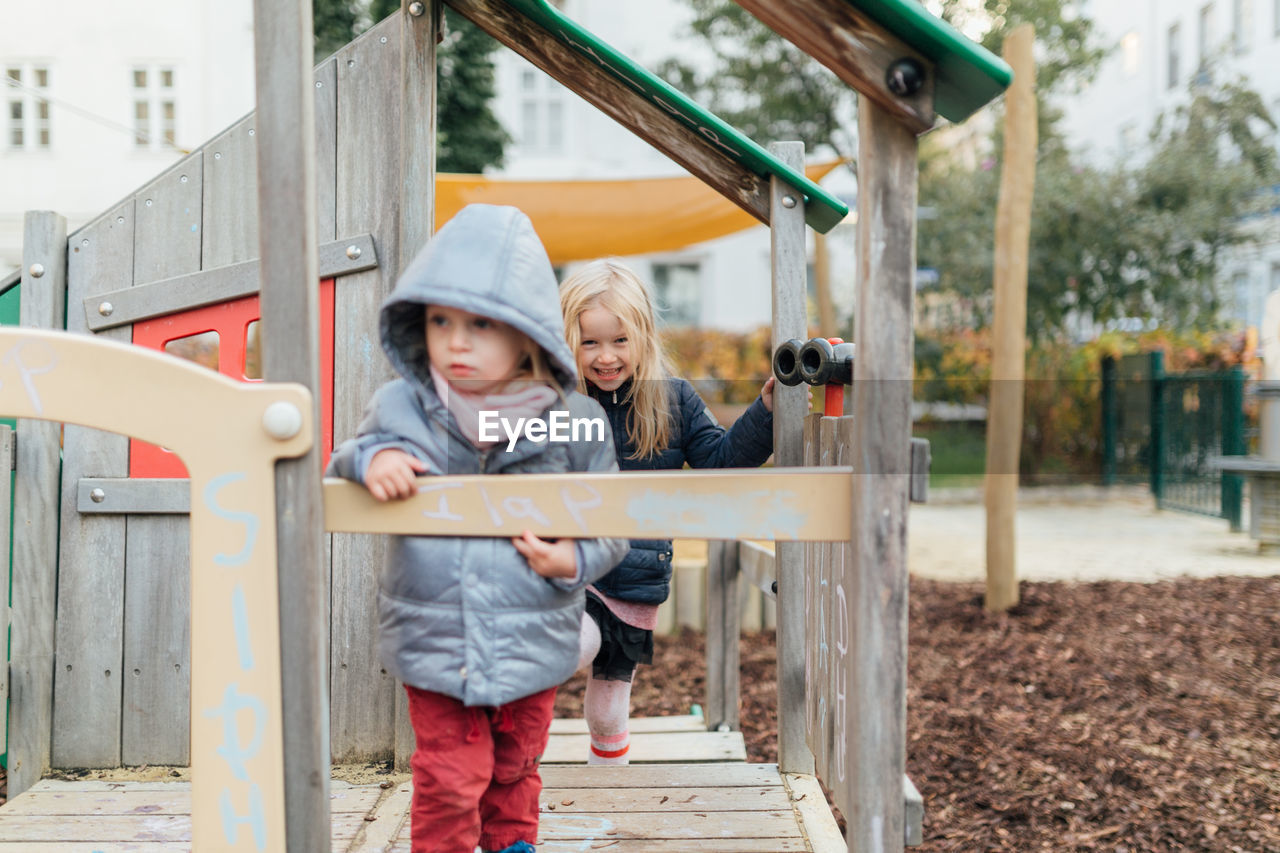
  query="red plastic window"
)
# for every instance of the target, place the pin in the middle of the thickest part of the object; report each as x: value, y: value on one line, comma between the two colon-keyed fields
x: 224, y: 337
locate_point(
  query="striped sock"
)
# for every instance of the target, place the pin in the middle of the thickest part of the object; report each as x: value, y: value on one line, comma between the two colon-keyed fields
x: 609, y: 749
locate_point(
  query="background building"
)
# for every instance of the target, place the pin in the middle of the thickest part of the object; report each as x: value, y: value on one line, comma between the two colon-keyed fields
x: 96, y: 102
x: 1162, y: 48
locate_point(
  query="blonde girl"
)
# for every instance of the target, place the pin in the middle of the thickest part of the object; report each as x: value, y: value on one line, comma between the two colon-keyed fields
x: 658, y: 422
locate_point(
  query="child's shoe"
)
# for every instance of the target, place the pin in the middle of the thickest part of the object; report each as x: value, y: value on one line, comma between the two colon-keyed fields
x: 518, y: 847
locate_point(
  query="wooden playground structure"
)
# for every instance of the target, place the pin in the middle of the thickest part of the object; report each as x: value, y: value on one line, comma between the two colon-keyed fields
x: 258, y: 667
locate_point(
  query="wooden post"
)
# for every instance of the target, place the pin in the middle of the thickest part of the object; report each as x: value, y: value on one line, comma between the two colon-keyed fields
x: 723, y: 626
x: 35, y: 520
x: 291, y: 352
x: 822, y: 284
x: 417, y: 200
x: 790, y: 320
x: 875, y: 699
x: 1008, y: 356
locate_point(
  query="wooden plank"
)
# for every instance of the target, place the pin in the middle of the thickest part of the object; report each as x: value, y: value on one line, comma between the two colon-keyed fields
x: 682, y: 723
x: 790, y: 320
x: 636, y: 112
x: 122, y: 495
x: 164, y: 798
x: 690, y: 827
x: 96, y: 847
x: 876, y: 710
x: 388, y: 820
x: 91, y: 582
x: 116, y: 829
x: 35, y: 521
x: 326, y: 115
x: 364, y: 698
x: 652, y: 845
x: 417, y: 127
x: 119, y: 307
x: 230, y: 202
x: 774, y: 503
x: 759, y: 568
x: 810, y: 805
x: 660, y: 775
x: 646, y: 747
x: 586, y: 800
x: 155, y: 723
x: 6, y: 508
x: 723, y: 629
x: 283, y: 36
x: 855, y: 48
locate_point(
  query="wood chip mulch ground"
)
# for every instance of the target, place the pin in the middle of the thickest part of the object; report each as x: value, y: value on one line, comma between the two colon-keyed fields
x: 1107, y: 716
x: 1104, y: 716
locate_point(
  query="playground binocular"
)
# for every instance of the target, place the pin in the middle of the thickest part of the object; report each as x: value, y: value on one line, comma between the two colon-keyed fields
x: 818, y: 361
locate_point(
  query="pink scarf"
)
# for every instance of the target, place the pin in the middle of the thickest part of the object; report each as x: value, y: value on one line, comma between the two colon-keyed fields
x: 528, y: 402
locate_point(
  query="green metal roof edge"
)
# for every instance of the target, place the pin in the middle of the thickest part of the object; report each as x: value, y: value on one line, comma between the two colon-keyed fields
x: 822, y: 210
x: 969, y: 75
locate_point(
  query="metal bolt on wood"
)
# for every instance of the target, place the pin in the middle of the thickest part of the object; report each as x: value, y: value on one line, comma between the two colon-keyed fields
x: 788, y: 201
x: 36, y: 270
x: 97, y: 496
x: 353, y: 252
x: 106, y: 309
x: 416, y: 9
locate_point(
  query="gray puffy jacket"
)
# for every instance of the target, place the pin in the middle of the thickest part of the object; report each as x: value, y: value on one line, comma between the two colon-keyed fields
x: 466, y: 616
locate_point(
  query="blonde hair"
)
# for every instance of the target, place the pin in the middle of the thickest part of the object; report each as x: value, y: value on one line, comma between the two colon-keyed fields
x: 611, y: 285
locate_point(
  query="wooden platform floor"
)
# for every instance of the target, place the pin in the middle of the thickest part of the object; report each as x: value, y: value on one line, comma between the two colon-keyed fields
x: 667, y: 804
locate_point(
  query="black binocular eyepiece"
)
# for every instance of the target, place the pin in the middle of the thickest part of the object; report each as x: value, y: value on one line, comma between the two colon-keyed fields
x: 816, y: 362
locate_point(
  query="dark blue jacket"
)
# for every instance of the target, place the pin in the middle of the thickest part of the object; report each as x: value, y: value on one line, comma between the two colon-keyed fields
x: 644, y: 575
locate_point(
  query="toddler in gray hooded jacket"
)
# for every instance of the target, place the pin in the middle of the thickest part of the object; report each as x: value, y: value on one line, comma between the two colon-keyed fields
x: 480, y: 630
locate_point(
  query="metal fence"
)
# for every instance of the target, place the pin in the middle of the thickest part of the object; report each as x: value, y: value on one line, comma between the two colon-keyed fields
x: 1166, y: 429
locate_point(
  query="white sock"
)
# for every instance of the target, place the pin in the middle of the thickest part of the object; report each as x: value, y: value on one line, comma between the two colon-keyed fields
x: 607, y: 706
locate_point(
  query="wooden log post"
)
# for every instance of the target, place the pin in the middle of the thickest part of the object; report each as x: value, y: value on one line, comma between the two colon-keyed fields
x: 35, y: 520
x: 875, y: 699
x: 790, y: 320
x: 1008, y: 357
x: 291, y: 352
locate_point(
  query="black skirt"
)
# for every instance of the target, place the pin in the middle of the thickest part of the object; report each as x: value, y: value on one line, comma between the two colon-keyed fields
x: 622, y: 646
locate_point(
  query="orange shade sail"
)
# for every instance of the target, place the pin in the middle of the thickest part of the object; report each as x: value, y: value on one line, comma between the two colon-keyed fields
x: 581, y: 220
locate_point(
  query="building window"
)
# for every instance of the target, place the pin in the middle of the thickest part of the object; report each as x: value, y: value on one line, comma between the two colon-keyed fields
x: 1204, y: 41
x: 677, y: 291
x: 541, y: 114
x: 155, y: 111
x: 27, y: 119
x: 1175, y: 54
x: 1130, y: 53
x: 1240, y: 25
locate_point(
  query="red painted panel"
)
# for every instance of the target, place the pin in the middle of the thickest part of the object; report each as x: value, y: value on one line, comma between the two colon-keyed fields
x: 231, y: 321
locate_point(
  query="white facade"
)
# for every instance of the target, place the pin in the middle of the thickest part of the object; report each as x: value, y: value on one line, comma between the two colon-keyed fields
x: 107, y: 95
x: 722, y: 283
x: 1162, y: 45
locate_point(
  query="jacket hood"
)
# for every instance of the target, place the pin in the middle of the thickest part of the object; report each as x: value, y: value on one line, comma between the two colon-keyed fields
x: 487, y: 260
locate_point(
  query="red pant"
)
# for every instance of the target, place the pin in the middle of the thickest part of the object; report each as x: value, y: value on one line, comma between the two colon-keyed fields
x: 475, y: 771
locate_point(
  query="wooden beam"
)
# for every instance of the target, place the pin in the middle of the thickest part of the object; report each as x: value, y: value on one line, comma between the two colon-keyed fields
x: 291, y: 352
x: 791, y: 404
x: 592, y: 79
x: 1009, y: 332
x: 120, y: 307
x: 855, y: 48
x: 724, y: 611
x: 875, y: 713
x: 775, y: 503
x: 35, y: 517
